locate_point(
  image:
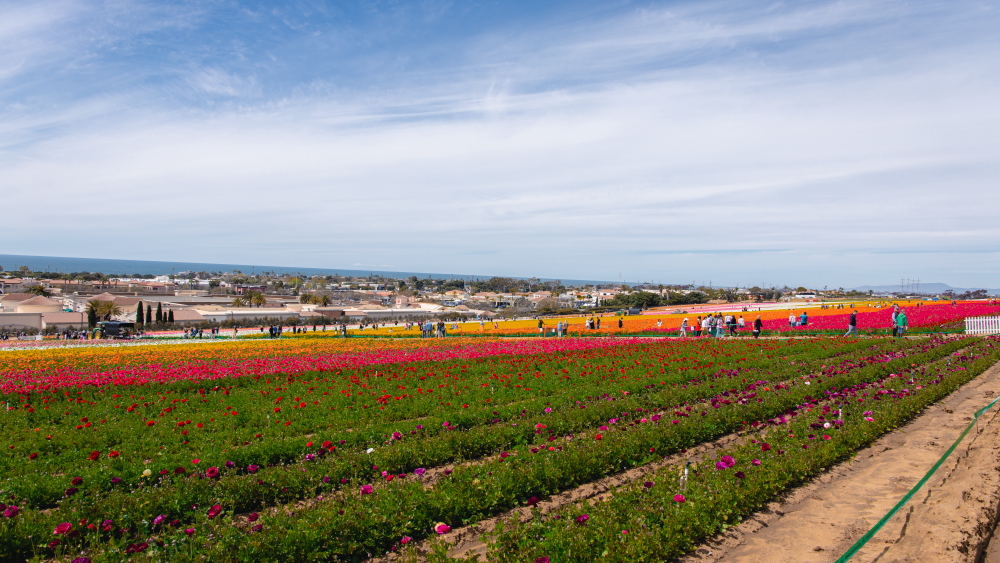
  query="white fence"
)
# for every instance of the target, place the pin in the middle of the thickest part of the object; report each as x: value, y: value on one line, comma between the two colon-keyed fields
x: 982, y: 325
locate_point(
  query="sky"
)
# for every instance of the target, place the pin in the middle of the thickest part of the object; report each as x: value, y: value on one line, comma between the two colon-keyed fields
x: 815, y: 143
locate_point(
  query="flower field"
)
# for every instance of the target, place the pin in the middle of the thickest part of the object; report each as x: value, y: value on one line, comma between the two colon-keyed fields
x: 922, y: 316
x: 324, y: 449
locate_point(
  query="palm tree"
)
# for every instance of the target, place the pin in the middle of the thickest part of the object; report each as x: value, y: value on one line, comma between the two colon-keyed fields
x: 38, y: 290
x: 104, y: 309
x: 109, y: 310
x: 324, y: 300
x: 257, y: 298
x: 239, y: 301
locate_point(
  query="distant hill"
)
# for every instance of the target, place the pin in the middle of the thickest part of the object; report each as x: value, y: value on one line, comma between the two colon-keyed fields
x: 932, y: 288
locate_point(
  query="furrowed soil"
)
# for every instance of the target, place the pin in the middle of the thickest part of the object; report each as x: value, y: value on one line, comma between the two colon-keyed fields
x: 951, y: 519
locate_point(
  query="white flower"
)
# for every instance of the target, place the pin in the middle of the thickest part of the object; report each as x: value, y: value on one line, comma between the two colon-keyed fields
x: 370, y: 450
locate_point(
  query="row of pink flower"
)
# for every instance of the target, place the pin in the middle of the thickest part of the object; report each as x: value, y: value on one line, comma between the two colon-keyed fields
x: 923, y: 316
x: 30, y: 380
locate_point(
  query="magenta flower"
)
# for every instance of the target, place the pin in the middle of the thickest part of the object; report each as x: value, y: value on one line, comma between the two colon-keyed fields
x: 81, y: 560
x: 728, y: 460
x: 214, y: 511
x: 532, y: 501
x: 63, y: 528
x: 189, y: 532
x: 542, y: 560
x: 679, y: 498
x: 405, y: 540
x: 648, y: 484
x: 442, y: 528
x: 504, y: 455
x: 230, y: 464
x: 253, y: 517
x: 420, y: 471
x: 755, y: 462
x: 397, y: 436
x: 740, y: 475
x: 367, y: 490
x: 582, y: 519
x: 310, y: 457
x: 77, y: 481
x: 159, y: 519
x: 195, y: 461
x: 719, y: 465
x: 420, y: 427
x: 11, y: 512
x: 212, y: 472
x: 252, y: 468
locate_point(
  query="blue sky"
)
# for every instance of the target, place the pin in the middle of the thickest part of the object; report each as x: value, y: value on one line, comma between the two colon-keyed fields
x: 815, y: 143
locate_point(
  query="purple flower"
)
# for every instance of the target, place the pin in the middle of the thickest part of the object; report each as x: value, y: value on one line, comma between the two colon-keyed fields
x: 230, y: 464
x: 542, y: 560
x: 253, y: 517
x: 72, y: 491
x: 252, y: 468
x: 189, y: 531
x: 81, y: 560
x: 116, y: 480
x: 648, y: 484
x: 582, y: 519
x: 755, y: 462
x: 728, y: 460
x: 719, y: 465
x: 420, y: 471
x: 420, y: 427
x: 532, y: 501
x: 397, y: 436
x: 11, y: 512
x: 447, y: 471
x: 366, y: 490
x: 310, y: 457
x: 159, y: 519
x: 740, y: 475
x: 258, y: 528
x: 326, y: 479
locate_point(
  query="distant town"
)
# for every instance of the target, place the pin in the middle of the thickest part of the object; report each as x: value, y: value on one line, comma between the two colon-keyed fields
x: 47, y: 303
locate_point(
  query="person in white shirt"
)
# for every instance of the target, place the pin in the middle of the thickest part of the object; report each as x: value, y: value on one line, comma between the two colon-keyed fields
x: 684, y: 325
x: 791, y: 320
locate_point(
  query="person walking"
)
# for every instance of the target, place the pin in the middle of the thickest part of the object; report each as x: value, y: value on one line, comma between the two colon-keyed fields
x: 541, y: 328
x: 901, y: 323
x: 720, y: 326
x: 697, y: 326
x: 684, y: 326
x: 895, y: 312
x: 619, y: 323
x: 758, y: 326
x: 852, y: 324
x: 741, y: 324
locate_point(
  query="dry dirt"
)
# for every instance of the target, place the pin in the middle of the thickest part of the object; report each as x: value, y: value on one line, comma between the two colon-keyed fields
x: 951, y: 519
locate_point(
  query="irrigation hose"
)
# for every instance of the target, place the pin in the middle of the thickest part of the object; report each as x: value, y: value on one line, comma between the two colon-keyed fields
x: 875, y: 529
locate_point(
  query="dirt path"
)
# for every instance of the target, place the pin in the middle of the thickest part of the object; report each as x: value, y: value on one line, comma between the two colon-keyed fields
x: 950, y: 519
